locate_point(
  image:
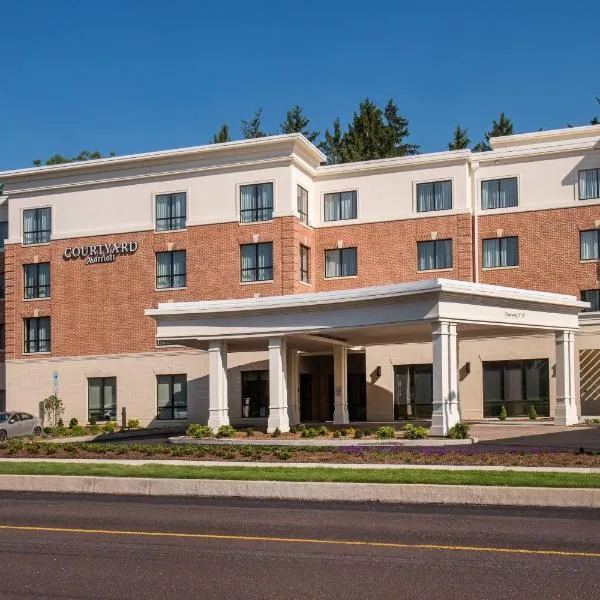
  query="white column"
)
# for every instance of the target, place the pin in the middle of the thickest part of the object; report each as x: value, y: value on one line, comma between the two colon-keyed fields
x: 566, y: 396
x: 278, y: 394
x: 218, y: 406
x: 445, y: 378
x: 340, y: 385
x: 293, y: 383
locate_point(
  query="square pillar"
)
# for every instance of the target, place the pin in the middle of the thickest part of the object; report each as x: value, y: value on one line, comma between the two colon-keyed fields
x: 293, y: 383
x: 340, y: 385
x: 218, y: 405
x: 566, y: 396
x: 278, y: 389
x: 445, y: 378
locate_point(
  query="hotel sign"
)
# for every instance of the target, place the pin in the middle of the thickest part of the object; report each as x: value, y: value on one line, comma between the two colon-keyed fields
x: 100, y: 253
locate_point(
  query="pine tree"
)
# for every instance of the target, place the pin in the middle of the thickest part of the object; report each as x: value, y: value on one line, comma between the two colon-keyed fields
x: 499, y: 128
x: 595, y: 120
x: 460, y: 140
x: 331, y: 146
x: 222, y: 135
x: 367, y: 137
x: 251, y: 129
x: 398, y: 131
x: 297, y: 122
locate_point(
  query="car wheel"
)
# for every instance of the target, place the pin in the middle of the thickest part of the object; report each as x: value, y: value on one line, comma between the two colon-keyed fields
x: 3, y: 435
x: 37, y: 430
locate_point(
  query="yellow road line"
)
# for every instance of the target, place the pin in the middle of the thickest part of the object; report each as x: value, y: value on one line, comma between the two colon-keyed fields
x: 251, y: 538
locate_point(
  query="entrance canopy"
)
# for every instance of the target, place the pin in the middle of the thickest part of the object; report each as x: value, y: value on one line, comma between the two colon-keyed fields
x: 430, y: 310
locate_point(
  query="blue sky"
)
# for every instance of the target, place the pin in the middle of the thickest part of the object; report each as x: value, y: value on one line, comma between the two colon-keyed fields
x: 133, y: 76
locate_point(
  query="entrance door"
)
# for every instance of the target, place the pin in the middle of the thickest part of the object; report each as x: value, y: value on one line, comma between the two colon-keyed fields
x: 306, y: 412
x: 357, y: 397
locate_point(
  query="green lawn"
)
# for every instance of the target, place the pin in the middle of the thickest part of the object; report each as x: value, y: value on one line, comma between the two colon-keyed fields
x: 437, y: 476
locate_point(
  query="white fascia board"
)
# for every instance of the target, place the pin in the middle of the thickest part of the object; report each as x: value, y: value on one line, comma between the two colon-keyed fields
x: 543, y: 137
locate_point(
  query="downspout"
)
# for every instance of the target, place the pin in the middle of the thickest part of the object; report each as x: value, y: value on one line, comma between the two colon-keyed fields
x: 475, y: 212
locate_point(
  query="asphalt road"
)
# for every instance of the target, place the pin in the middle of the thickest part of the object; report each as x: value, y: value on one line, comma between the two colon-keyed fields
x: 81, y: 547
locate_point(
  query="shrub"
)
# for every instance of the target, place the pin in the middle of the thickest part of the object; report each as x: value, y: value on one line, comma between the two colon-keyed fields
x: 337, y: 434
x: 357, y: 434
x: 503, y: 416
x: 414, y: 432
x: 532, y: 413
x: 109, y: 427
x: 276, y: 433
x: 226, y: 431
x: 299, y: 428
x: 199, y: 431
x: 322, y: 430
x: 249, y: 432
x: 77, y: 430
x: 366, y: 432
x: 48, y: 430
x: 73, y: 423
x: 308, y: 433
x: 460, y: 431
x: 133, y: 424
x: 282, y: 453
x: 94, y: 429
x: 92, y: 420
x: 343, y: 432
x: 384, y: 433
x: 61, y: 424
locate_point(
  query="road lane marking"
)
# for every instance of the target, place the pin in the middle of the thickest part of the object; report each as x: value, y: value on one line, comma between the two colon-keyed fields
x: 252, y: 538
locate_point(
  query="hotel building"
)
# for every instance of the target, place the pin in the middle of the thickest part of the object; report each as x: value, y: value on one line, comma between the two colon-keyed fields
x: 251, y: 283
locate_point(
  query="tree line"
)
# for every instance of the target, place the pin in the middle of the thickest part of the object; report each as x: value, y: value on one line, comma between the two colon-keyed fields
x: 372, y: 133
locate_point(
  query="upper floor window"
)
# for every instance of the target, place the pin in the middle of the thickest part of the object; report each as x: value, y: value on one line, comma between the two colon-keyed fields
x: 501, y: 252
x: 589, y: 244
x: 593, y: 297
x: 589, y: 184
x: 436, y: 195
x: 170, y: 269
x: 256, y: 202
x: 256, y: 262
x: 3, y: 232
x: 340, y: 206
x: 37, y: 225
x: 37, y: 335
x: 500, y: 193
x: 341, y: 262
x: 170, y: 211
x: 434, y: 254
x: 36, y: 281
x: 303, y: 204
x: 304, y: 264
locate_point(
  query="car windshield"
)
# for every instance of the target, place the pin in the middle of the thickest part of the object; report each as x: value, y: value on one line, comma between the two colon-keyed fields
x: 4, y: 417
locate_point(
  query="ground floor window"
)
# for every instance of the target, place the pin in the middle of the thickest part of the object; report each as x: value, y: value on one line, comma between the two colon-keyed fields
x: 517, y: 385
x: 102, y: 398
x: 2, y: 400
x: 413, y: 391
x: 255, y: 394
x: 171, y: 394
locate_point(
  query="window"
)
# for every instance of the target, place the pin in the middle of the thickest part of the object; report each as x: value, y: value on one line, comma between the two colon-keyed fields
x: 499, y: 193
x: 340, y: 206
x: 36, y: 225
x: 3, y: 232
x: 37, y: 334
x: 171, y: 394
x: 501, y: 252
x: 593, y: 297
x: 304, y: 264
x: 170, y: 269
x: 589, y: 184
x: 589, y: 244
x: 436, y: 195
x: 2, y: 336
x: 256, y: 202
x: 413, y: 391
x: 170, y: 211
x: 102, y: 398
x: 256, y: 262
x: 517, y: 385
x: 434, y: 254
x: 36, y: 279
x: 255, y: 394
x: 341, y: 262
x: 303, y: 204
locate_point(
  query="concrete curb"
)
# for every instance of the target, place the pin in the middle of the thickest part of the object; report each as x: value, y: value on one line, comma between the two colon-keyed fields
x: 248, y: 464
x: 347, y: 492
